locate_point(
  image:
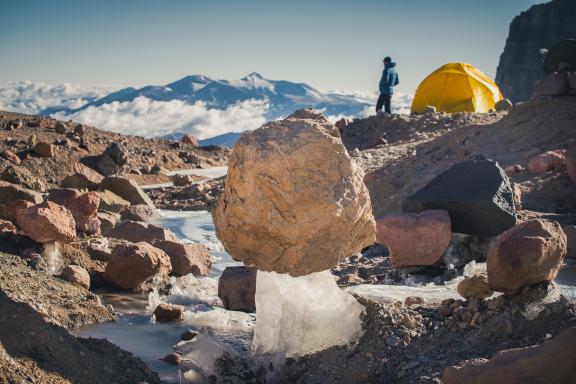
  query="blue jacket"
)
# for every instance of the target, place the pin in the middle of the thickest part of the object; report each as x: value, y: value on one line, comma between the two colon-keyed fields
x: 389, y: 79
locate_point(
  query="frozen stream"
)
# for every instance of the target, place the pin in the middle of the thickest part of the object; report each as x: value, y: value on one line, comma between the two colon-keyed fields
x: 134, y: 331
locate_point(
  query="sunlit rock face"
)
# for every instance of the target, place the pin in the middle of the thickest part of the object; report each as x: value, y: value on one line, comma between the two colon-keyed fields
x: 294, y: 202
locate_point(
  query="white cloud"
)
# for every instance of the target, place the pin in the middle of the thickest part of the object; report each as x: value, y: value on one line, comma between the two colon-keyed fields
x: 32, y: 97
x: 145, y: 117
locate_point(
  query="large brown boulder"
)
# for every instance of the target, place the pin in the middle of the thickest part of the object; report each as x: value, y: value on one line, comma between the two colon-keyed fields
x: 136, y: 231
x: 529, y: 253
x: 10, y: 192
x: 415, y: 239
x: 132, y: 264
x: 552, y: 362
x: 237, y: 289
x: 47, y: 222
x: 294, y: 202
x: 186, y: 258
x: 126, y: 189
x: 190, y: 139
x: 84, y: 209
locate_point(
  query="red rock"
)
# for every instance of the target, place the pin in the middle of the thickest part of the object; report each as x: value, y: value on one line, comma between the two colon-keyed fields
x: 10, y: 156
x: 84, y: 210
x: 528, y: 253
x: 415, y: 239
x: 76, y: 275
x: 571, y: 163
x: 550, y: 362
x: 169, y: 312
x: 136, y: 231
x: 237, y: 289
x: 189, y: 139
x: 84, y: 178
x: 47, y: 222
x: 44, y: 149
x: 187, y: 258
x: 10, y: 210
x: 139, y: 212
x: 132, y: 264
x: 548, y: 161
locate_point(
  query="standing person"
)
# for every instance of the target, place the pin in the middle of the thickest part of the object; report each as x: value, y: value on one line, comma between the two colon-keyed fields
x: 387, y: 83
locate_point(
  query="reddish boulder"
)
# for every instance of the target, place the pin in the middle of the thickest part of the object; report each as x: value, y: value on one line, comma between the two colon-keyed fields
x: 10, y: 156
x: 548, y: 161
x: 84, y: 210
x: 529, y: 253
x: 169, y: 312
x: 237, y: 289
x: 10, y: 209
x: 132, y: 264
x: 136, y: 231
x: 44, y: 149
x: 139, y: 212
x: 76, y: 275
x: 186, y: 258
x: 415, y: 239
x: 190, y: 139
x: 47, y: 222
x: 547, y: 363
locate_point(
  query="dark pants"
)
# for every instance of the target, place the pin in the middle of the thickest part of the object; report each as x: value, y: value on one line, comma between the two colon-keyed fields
x: 383, y: 100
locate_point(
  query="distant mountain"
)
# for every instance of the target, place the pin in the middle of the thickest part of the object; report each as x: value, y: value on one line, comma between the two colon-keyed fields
x: 283, y: 97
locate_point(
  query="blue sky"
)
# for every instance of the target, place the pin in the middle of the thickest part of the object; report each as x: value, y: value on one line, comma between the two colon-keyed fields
x: 328, y: 44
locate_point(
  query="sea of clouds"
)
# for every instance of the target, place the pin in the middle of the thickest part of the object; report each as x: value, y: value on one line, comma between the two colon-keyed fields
x: 150, y: 118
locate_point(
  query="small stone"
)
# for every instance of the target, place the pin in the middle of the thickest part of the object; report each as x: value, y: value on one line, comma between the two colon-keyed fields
x: 169, y: 312
x: 173, y: 358
x: 413, y: 300
x: 76, y: 275
x: 188, y: 335
x: 475, y: 286
x: 44, y: 149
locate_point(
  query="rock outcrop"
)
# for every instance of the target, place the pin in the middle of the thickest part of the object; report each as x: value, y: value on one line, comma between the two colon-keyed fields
x: 414, y: 239
x: 529, y: 253
x: 132, y: 264
x: 294, y: 202
x: 477, y: 194
x: 540, y: 27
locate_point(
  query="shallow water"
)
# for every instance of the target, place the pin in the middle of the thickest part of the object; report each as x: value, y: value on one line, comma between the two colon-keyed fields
x: 135, y: 332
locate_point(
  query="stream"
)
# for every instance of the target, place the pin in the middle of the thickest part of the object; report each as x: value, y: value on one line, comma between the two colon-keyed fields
x: 135, y: 331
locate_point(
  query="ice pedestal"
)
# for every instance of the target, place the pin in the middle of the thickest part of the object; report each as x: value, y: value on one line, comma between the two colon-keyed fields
x: 52, y: 257
x: 301, y: 315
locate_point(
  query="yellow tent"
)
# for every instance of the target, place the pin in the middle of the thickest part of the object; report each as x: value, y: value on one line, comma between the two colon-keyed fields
x: 457, y: 87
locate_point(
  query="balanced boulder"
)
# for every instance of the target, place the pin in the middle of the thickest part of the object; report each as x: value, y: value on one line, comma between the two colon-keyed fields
x: 294, y: 202
x: 529, y: 253
x: 126, y: 189
x: 132, y: 264
x: 476, y: 193
x: 237, y: 289
x: 47, y: 222
x: 186, y: 258
x: 415, y: 239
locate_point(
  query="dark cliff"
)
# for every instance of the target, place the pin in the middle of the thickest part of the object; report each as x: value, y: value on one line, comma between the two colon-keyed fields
x: 541, y: 26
